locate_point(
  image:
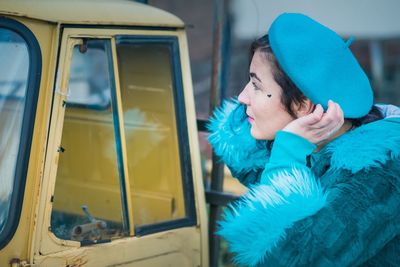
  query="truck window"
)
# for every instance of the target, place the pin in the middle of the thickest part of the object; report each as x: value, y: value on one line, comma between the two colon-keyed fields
x: 155, y: 130
x: 14, y: 70
x: 90, y: 199
x: 87, y: 197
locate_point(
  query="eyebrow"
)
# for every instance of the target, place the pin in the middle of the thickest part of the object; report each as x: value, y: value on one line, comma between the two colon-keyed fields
x: 253, y: 75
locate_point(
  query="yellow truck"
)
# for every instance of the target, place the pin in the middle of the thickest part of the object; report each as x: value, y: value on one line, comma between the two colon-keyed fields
x: 99, y: 154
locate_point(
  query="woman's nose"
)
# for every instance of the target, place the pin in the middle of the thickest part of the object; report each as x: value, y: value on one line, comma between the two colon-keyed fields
x: 243, y: 97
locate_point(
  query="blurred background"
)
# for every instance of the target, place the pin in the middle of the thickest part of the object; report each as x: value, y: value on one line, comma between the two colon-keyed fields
x: 228, y: 27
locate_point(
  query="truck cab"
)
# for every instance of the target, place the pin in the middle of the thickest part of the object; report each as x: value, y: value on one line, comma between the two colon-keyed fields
x: 99, y: 154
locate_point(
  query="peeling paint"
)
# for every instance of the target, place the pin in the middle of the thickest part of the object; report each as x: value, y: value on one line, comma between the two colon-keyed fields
x: 77, y: 261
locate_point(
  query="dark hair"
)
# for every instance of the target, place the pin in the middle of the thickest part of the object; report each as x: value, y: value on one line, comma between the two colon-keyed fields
x: 291, y: 94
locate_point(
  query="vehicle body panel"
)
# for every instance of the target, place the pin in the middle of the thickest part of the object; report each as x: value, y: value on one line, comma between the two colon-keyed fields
x: 33, y: 242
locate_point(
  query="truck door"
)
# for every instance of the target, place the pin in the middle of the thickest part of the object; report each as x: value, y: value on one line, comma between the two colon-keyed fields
x: 119, y: 169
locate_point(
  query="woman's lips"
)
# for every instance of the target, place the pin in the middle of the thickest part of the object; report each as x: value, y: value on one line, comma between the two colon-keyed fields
x: 250, y: 119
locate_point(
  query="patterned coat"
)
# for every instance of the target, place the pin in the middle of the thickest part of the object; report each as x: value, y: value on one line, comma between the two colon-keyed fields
x: 337, y: 207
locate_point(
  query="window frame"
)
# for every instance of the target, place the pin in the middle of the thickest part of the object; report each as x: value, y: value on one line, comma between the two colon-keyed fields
x: 69, y: 38
x: 28, y: 122
x: 108, y: 49
x: 181, y: 124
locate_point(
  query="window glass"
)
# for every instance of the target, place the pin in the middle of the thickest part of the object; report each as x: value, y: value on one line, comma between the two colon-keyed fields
x: 14, y: 68
x: 90, y: 79
x: 147, y: 91
x: 87, y: 198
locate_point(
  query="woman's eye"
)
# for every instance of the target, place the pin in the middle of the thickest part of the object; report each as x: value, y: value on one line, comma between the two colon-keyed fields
x: 256, y: 87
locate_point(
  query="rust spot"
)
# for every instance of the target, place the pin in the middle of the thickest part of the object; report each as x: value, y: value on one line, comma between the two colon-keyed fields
x: 15, y: 262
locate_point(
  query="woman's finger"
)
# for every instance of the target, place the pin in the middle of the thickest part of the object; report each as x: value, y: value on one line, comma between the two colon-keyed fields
x: 336, y: 124
x: 331, y: 117
x: 319, y: 111
x: 330, y: 123
x: 313, y: 117
x: 338, y: 117
x: 340, y: 111
x: 326, y: 117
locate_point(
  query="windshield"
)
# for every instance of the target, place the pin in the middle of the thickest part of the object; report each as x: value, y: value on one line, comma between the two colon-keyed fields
x: 14, y: 68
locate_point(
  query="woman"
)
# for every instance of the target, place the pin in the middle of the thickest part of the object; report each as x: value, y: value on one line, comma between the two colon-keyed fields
x: 321, y: 161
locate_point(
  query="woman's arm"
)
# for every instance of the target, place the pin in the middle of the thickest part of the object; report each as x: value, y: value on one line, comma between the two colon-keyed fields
x: 229, y: 135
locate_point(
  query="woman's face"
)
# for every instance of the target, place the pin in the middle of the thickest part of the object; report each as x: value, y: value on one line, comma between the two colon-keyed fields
x: 262, y: 96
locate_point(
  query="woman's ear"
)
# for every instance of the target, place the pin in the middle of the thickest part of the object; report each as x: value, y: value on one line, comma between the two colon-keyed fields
x: 305, y: 108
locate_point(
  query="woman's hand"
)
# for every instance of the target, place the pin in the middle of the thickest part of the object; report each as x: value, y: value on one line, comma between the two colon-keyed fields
x: 317, y: 127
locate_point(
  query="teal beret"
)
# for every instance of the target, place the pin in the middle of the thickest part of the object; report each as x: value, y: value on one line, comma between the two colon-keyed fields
x: 320, y: 64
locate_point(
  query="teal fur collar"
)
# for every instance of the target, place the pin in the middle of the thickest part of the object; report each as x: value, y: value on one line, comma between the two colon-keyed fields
x: 368, y: 146
x: 231, y: 139
x: 365, y: 147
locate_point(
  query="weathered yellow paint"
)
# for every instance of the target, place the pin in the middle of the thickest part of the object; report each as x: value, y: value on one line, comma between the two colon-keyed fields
x: 33, y: 243
x: 20, y: 245
x: 115, y: 12
x: 194, y: 147
x: 61, y: 90
x: 177, y: 247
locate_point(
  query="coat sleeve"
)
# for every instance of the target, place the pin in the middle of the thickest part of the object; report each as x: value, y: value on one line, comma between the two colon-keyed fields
x: 289, y: 220
x: 229, y: 135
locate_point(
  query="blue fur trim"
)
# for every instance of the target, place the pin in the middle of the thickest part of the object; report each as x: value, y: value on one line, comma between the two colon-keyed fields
x: 371, y: 145
x: 231, y: 139
x: 257, y: 222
